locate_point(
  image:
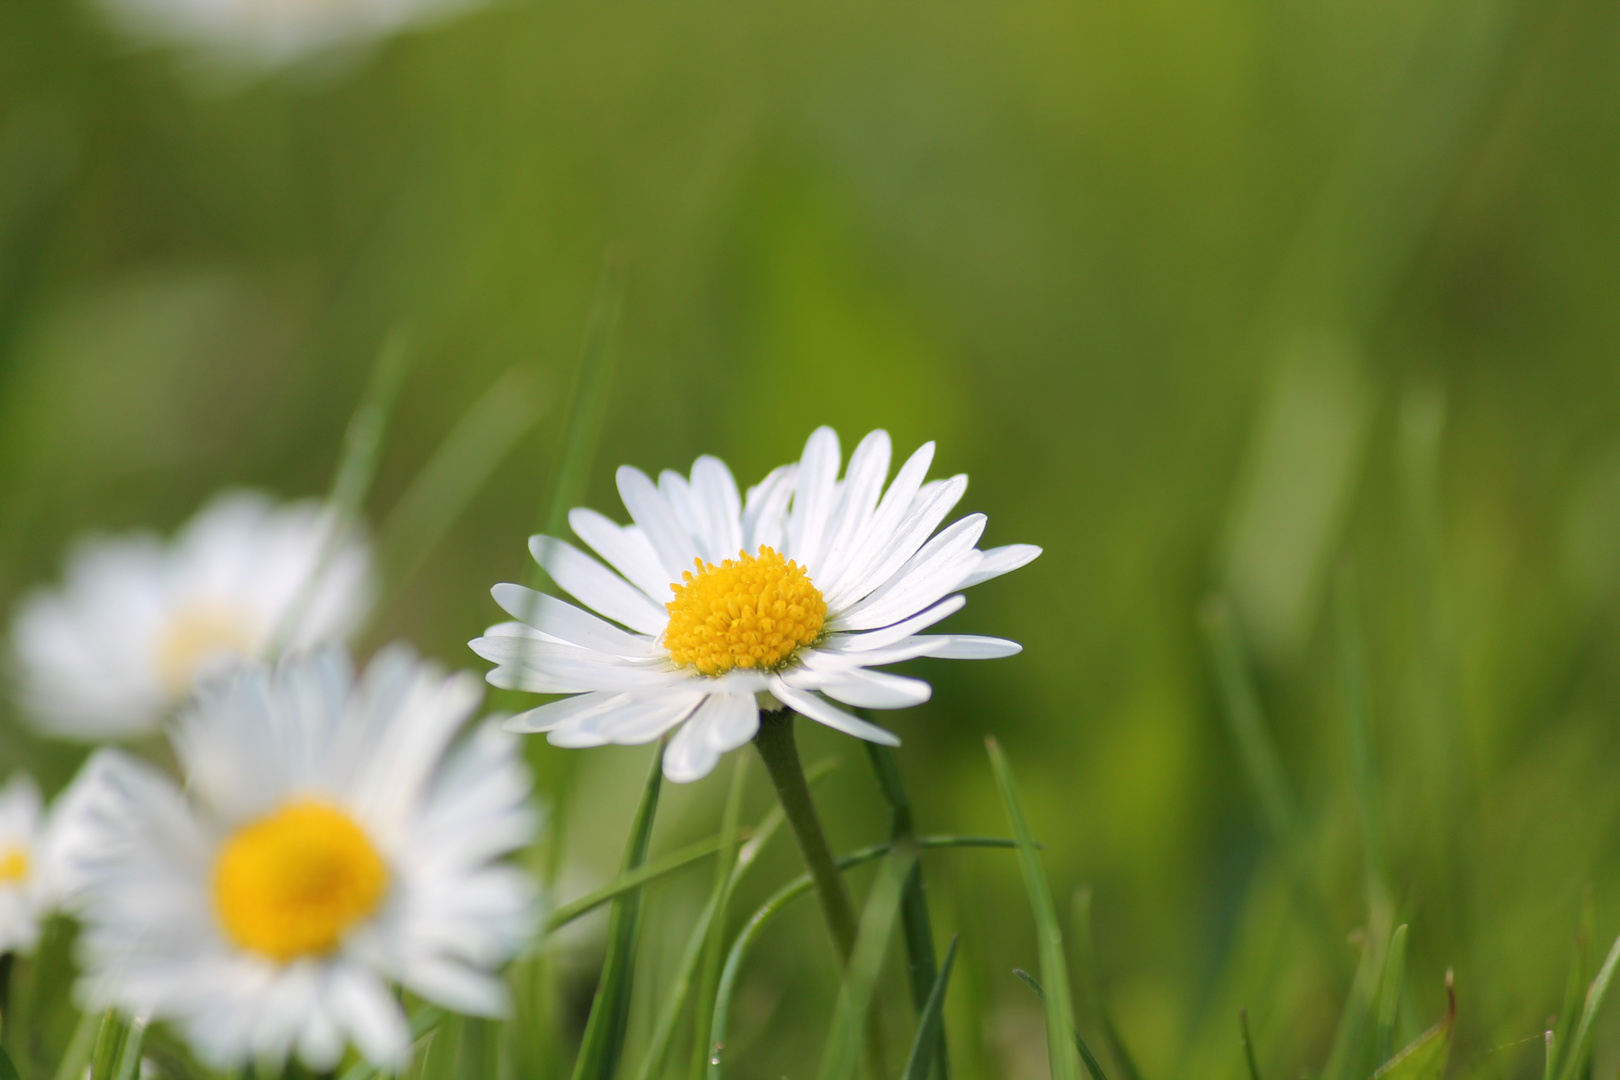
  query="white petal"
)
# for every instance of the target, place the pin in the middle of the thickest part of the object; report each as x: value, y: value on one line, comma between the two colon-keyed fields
x: 639, y: 720
x: 595, y: 586
x: 970, y: 647
x: 939, y: 568
x: 813, y: 498
x: 557, y: 713
x: 716, y: 492
x: 764, y: 522
x: 922, y: 517
x: 836, y: 660
x: 875, y: 689
x: 722, y: 723
x: 563, y: 669
x: 626, y: 550
x: 647, y: 505
x: 1002, y: 560
x: 889, y: 635
x: 824, y: 712
x: 678, y: 493
x: 863, y: 484
x: 374, y: 1020
x: 565, y: 622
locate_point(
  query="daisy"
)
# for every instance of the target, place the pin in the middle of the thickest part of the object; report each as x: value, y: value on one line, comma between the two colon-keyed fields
x: 330, y: 841
x: 722, y: 606
x: 262, y: 34
x: 138, y: 620
x: 25, y: 892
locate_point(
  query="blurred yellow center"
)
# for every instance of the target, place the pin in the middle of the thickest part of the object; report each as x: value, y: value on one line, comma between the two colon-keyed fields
x: 13, y: 865
x: 748, y: 612
x: 193, y: 636
x: 294, y: 882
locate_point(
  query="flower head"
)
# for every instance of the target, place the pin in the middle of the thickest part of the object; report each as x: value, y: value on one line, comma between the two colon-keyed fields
x: 26, y: 889
x: 259, y: 34
x: 789, y: 597
x: 333, y: 838
x: 138, y: 620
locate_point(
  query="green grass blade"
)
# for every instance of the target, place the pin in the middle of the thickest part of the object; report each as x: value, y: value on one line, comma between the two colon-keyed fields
x: 127, y: 1066
x: 1074, y: 1033
x: 1574, y: 987
x: 632, y: 880
x: 357, y: 465
x: 1389, y: 995
x: 8, y: 1071
x: 610, y: 1011
x: 932, y: 1021
x: 80, y: 1048
x: 1425, y: 1057
x: 714, y: 945
x: 1049, y: 935
x: 1247, y: 725
x: 424, y: 1022
x: 768, y: 911
x: 1091, y: 984
x: 1572, y: 1061
x: 1248, y: 1045
x: 1353, y: 675
x: 587, y: 401
x: 478, y: 443
x: 841, y: 1056
x: 915, y: 923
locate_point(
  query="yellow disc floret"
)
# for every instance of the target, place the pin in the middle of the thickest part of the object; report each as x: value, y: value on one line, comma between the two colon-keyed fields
x: 14, y: 865
x: 748, y: 612
x: 292, y: 883
x: 195, y: 635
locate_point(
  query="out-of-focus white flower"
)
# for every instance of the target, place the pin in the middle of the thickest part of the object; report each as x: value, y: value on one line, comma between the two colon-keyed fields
x: 139, y: 620
x: 331, y: 840
x: 26, y: 887
x: 269, y: 33
x: 726, y: 606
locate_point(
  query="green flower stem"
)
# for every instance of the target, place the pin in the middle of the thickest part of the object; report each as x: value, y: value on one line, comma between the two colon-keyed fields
x: 780, y: 753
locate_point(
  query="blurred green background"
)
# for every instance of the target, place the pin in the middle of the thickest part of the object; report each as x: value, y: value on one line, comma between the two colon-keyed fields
x: 1207, y: 298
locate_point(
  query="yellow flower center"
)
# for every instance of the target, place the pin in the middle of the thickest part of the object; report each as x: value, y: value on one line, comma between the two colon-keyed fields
x: 292, y: 883
x: 194, y: 636
x: 14, y: 865
x: 748, y: 612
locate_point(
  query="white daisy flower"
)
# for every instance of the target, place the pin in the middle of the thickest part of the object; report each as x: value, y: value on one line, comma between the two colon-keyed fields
x: 263, y: 34
x: 25, y: 879
x: 330, y: 841
x: 138, y: 620
x: 726, y: 606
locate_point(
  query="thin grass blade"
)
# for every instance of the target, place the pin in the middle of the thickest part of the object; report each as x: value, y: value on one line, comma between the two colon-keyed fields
x: 478, y: 443
x: 915, y: 923
x: 931, y: 1022
x: 1558, y: 1039
x: 779, y: 900
x: 80, y: 1048
x: 8, y: 1071
x: 1079, y: 1043
x: 1049, y: 935
x: 1424, y: 1058
x: 357, y: 465
x: 841, y: 1057
x: 1248, y: 1045
x: 603, y: 1043
x: 1389, y: 995
x: 1353, y: 676
x: 1573, y: 1061
x: 1091, y: 985
x: 424, y: 1023
x: 634, y: 879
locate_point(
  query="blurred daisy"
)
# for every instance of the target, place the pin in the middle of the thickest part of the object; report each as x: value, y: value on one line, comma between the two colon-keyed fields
x: 726, y: 606
x: 268, y: 33
x: 330, y: 841
x: 25, y: 892
x: 138, y: 620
